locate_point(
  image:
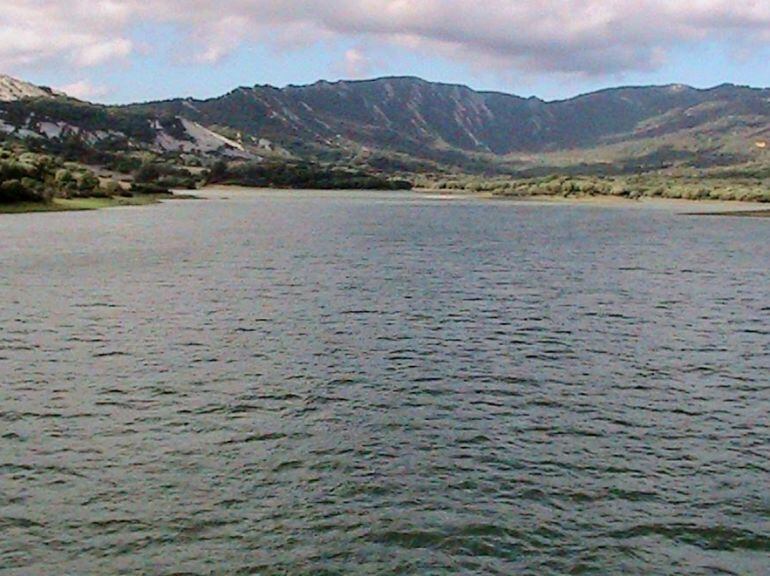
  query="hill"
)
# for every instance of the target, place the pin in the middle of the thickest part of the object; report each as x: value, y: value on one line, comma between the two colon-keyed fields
x: 12, y: 89
x: 444, y: 123
x: 454, y: 124
x: 371, y: 130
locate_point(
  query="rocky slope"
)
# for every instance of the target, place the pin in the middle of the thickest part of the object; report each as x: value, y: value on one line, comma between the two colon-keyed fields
x: 12, y: 89
x: 408, y: 116
x: 426, y: 119
x: 33, y: 113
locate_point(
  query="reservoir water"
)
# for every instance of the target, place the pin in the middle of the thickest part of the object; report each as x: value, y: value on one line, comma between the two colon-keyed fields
x: 369, y: 383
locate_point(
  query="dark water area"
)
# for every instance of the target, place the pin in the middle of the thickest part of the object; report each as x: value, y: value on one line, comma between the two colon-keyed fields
x: 367, y: 384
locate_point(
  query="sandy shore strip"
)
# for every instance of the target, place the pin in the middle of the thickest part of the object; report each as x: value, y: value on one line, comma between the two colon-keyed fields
x: 744, y: 213
x: 683, y: 206
x: 690, y: 207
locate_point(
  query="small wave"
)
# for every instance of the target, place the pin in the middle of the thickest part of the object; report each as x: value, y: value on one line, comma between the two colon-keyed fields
x: 111, y: 354
x: 707, y: 538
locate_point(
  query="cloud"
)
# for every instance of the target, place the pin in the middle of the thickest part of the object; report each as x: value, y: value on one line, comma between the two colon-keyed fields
x: 84, y: 90
x: 589, y: 37
x: 356, y: 64
x: 75, y: 33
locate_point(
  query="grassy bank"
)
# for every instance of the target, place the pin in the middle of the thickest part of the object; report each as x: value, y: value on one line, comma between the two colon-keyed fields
x: 88, y: 203
x: 670, y: 186
x: 301, y: 176
x: 743, y: 213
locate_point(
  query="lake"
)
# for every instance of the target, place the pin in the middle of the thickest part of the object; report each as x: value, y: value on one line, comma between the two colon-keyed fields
x: 383, y: 383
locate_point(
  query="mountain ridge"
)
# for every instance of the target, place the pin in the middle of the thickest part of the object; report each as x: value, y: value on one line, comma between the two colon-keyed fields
x: 431, y: 115
x: 12, y: 89
x: 437, y: 122
x: 375, y: 79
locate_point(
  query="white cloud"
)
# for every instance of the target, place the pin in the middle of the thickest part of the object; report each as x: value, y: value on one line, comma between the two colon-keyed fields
x: 76, y: 33
x: 101, y: 52
x: 592, y: 37
x: 356, y: 64
x: 84, y: 90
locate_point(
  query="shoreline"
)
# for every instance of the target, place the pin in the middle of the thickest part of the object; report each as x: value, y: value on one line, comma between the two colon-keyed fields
x: 764, y: 213
x: 697, y: 207
x: 682, y: 206
x: 686, y: 207
x: 90, y: 203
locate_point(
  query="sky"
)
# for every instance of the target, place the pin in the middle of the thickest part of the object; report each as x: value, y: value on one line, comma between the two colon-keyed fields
x: 120, y: 51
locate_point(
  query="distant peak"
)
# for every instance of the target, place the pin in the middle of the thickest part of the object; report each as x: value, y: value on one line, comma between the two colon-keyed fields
x: 678, y: 88
x: 406, y: 80
x: 12, y: 89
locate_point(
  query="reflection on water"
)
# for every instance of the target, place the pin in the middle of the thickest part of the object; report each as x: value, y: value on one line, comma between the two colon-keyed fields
x: 381, y: 384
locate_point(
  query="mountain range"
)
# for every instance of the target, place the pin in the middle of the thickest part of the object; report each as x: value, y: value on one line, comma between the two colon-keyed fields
x: 401, y: 122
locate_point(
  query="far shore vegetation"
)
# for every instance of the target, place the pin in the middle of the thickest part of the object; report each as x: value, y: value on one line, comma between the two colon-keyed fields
x: 749, y: 185
x: 69, y: 179
x: 301, y: 175
x: 34, y: 177
x: 37, y: 182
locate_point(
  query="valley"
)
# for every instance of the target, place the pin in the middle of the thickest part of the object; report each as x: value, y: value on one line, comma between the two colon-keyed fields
x: 391, y: 133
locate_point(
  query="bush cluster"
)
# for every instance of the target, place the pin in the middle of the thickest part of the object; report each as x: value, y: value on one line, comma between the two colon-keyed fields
x: 653, y: 185
x: 300, y: 175
x: 30, y: 177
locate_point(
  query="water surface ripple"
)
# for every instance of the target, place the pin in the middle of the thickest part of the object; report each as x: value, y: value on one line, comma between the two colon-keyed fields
x: 382, y: 384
